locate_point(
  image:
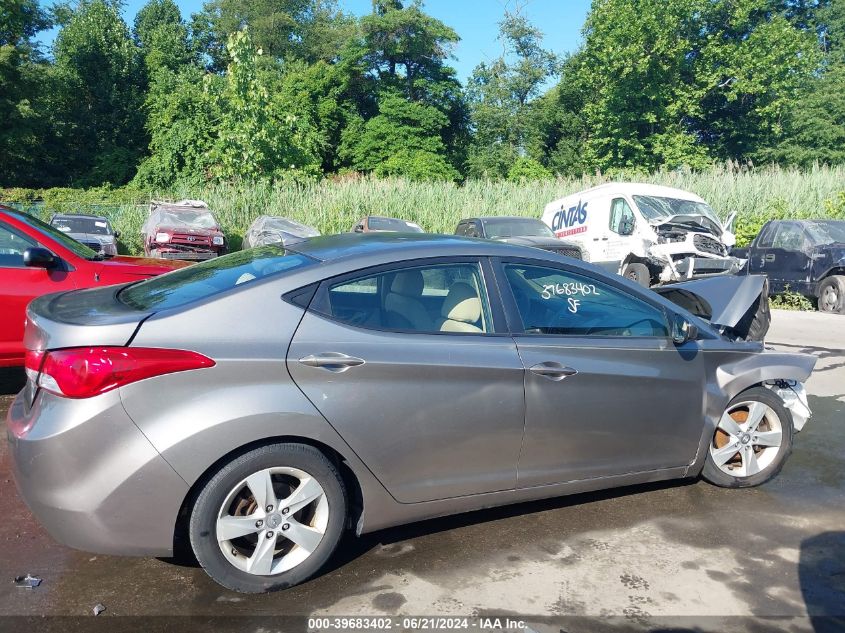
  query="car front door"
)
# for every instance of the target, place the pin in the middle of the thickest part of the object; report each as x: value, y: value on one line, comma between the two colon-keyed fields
x: 607, y: 392
x: 788, y: 262
x: 20, y: 284
x: 406, y: 364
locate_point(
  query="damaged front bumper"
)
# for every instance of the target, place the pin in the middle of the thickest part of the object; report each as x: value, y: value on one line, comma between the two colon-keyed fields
x: 794, y: 397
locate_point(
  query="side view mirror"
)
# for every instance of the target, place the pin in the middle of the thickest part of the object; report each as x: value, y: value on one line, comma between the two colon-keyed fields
x: 116, y: 234
x: 38, y: 257
x: 683, y: 331
x: 626, y: 226
x: 359, y: 228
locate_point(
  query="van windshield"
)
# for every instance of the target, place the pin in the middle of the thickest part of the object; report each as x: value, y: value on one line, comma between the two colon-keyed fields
x: 659, y: 208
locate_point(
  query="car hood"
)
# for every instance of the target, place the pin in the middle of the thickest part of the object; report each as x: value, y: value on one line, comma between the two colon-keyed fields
x: 737, y: 304
x: 141, y: 266
x: 92, y: 237
x: 690, y: 223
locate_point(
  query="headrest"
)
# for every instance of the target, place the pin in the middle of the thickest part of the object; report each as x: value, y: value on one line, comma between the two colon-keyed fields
x: 462, y: 304
x: 408, y: 283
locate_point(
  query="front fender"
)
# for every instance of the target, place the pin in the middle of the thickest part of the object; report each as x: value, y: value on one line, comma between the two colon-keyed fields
x: 735, y: 377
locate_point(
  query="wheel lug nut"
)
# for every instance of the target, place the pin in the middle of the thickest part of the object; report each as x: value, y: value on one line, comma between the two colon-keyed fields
x: 285, y: 527
x: 286, y: 510
x: 259, y: 523
x: 269, y: 508
x: 269, y: 533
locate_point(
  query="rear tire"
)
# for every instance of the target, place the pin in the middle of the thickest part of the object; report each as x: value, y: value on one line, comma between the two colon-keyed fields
x: 832, y: 295
x: 269, y: 519
x: 743, y: 455
x: 638, y: 273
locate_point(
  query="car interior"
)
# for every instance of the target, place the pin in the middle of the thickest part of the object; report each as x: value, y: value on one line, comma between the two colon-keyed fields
x: 436, y: 299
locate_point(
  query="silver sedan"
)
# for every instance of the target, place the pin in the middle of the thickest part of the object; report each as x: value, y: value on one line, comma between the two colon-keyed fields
x: 260, y: 404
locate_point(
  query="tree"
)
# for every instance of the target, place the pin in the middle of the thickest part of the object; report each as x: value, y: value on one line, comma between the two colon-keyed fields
x: 402, y: 140
x: 500, y: 94
x: 681, y: 82
x: 99, y: 97
x: 307, y: 30
x: 162, y: 36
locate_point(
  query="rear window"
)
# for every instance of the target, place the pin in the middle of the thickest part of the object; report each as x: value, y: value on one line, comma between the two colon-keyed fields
x: 211, y: 277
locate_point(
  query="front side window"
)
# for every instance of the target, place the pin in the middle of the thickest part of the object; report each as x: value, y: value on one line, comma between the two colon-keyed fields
x: 428, y: 299
x: 12, y: 247
x: 790, y: 237
x: 551, y: 301
x: 621, y: 217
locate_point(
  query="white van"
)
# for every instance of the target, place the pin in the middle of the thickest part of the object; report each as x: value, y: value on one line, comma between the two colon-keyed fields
x: 649, y: 233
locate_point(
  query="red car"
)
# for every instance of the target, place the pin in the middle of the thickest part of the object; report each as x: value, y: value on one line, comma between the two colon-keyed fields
x: 36, y: 259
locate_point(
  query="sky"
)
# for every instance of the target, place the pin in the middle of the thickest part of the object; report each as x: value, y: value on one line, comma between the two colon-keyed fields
x: 475, y: 21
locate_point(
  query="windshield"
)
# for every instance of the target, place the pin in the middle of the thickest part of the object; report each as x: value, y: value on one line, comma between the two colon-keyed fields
x: 290, y: 226
x: 392, y: 224
x: 514, y: 227
x: 190, y: 219
x: 68, y: 242
x: 827, y: 232
x: 210, y: 277
x: 93, y: 225
x: 657, y: 208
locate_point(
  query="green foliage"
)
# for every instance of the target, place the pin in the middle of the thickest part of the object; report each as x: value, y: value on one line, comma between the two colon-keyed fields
x: 99, y: 95
x: 526, y: 169
x: 162, y: 36
x: 791, y: 301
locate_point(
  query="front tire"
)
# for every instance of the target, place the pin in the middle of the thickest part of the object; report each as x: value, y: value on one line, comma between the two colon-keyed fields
x: 638, y: 273
x: 832, y: 294
x: 269, y: 519
x: 751, y: 442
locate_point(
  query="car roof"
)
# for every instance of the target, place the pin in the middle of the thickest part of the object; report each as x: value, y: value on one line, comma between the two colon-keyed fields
x: 632, y: 189
x: 487, y: 218
x: 403, y: 246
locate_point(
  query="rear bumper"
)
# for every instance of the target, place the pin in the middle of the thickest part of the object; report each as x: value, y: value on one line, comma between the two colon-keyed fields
x: 90, y: 476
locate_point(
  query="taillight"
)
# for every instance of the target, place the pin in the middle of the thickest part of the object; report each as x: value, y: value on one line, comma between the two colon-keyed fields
x: 84, y: 372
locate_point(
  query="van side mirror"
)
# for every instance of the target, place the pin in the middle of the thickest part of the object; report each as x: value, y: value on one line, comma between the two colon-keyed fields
x: 683, y: 331
x: 626, y: 226
x: 38, y: 257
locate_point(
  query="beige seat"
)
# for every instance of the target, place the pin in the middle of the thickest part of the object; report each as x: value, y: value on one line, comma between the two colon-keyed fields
x: 461, y: 309
x: 402, y: 305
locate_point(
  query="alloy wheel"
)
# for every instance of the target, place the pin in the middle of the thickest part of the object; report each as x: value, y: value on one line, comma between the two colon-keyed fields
x: 747, y: 439
x: 272, y: 521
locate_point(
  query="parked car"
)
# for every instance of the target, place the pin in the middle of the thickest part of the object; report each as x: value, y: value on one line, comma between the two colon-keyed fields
x: 94, y: 231
x: 647, y: 233
x: 184, y: 230
x: 271, y: 229
x: 521, y: 231
x: 379, y: 224
x: 804, y: 256
x: 37, y: 259
x: 401, y: 379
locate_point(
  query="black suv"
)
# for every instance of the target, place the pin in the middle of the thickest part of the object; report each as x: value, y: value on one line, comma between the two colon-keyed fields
x: 804, y: 256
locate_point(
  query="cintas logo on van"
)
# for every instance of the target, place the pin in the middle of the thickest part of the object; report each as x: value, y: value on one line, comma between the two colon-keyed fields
x: 570, y: 221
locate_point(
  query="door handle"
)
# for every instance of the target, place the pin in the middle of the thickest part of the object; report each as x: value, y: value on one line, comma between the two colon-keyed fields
x: 553, y: 371
x: 770, y: 257
x: 332, y: 361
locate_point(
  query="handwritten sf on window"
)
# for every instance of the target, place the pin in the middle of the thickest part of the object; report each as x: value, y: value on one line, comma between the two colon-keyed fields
x: 570, y: 290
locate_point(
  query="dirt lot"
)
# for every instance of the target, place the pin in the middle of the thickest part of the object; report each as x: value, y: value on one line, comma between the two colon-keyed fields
x: 682, y: 555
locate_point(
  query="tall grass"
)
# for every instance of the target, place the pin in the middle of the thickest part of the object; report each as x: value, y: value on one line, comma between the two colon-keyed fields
x: 334, y: 205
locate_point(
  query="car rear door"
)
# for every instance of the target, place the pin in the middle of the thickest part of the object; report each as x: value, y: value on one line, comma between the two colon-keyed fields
x: 20, y: 284
x: 607, y: 392
x: 433, y: 414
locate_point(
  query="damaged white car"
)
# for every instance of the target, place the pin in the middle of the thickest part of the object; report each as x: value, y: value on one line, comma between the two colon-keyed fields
x: 649, y: 233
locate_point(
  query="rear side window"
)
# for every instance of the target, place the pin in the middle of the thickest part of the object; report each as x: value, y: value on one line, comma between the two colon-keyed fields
x: 211, y: 277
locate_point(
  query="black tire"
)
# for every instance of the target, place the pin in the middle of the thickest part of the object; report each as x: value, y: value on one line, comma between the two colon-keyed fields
x: 832, y: 294
x: 716, y: 476
x: 204, y: 514
x: 638, y: 273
